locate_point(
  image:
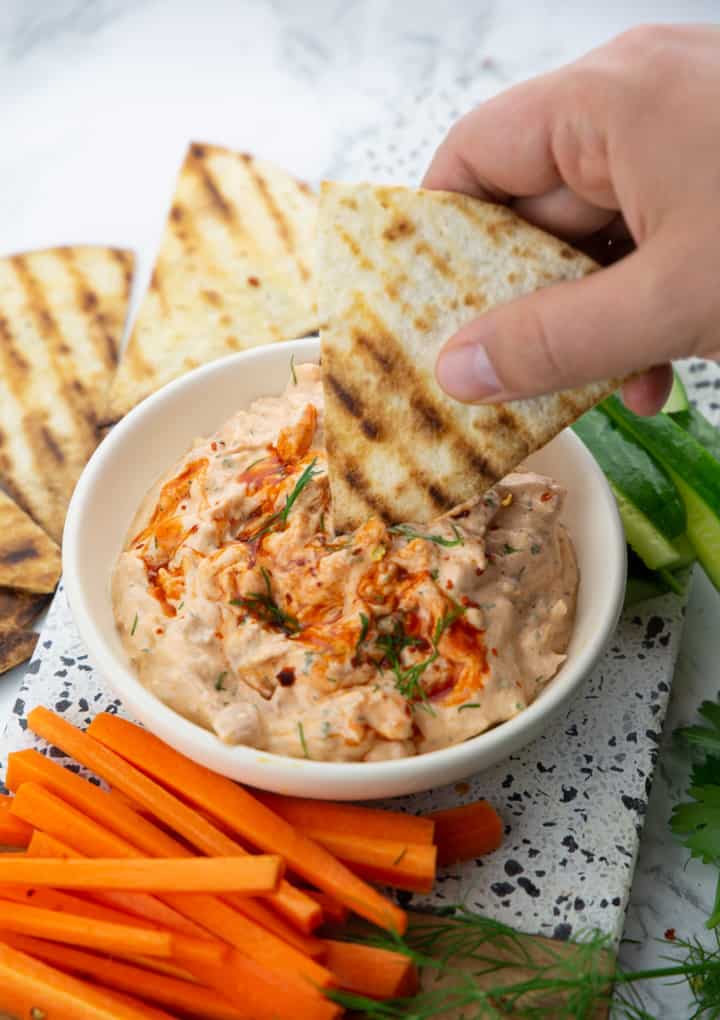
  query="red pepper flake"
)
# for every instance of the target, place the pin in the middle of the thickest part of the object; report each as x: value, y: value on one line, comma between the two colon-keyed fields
x: 670, y: 934
x: 159, y: 630
x: 479, y: 571
x: 449, y: 585
x: 253, y: 281
x: 286, y: 677
x: 494, y: 651
x: 546, y: 496
x: 462, y: 788
x: 213, y: 446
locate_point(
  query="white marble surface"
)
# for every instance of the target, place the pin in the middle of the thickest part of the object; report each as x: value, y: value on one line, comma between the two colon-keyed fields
x: 99, y: 98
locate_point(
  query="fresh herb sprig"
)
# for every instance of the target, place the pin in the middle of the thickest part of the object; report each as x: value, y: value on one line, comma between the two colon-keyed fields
x: 364, y: 628
x: 264, y: 606
x: 281, y: 516
x: 408, y: 678
x: 407, y: 531
x: 479, y: 958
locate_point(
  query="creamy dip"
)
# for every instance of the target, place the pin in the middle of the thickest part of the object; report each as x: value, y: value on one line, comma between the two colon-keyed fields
x: 243, y: 610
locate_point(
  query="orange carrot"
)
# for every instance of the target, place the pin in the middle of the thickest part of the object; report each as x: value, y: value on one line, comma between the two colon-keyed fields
x: 192, y: 943
x: 197, y: 874
x: 104, y: 807
x: 403, y: 865
x: 13, y: 832
x: 334, y: 912
x: 227, y: 801
x: 43, y: 845
x: 166, y: 991
x: 81, y: 931
x: 208, y: 912
x: 462, y: 833
x: 130, y: 1002
x: 57, y: 995
x: 376, y: 973
x: 266, y: 995
x: 328, y: 816
x: 93, y: 804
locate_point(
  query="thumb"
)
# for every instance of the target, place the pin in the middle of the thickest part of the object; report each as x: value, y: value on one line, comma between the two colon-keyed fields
x: 618, y: 320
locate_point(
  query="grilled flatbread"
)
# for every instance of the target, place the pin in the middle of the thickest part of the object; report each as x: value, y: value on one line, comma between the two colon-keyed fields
x: 16, y: 648
x: 399, y: 271
x: 29, y: 559
x: 18, y: 609
x: 62, y: 313
x: 233, y: 272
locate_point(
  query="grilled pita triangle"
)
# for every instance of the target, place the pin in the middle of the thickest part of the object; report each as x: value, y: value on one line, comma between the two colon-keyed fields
x: 29, y: 559
x: 62, y: 313
x: 232, y: 272
x: 399, y: 271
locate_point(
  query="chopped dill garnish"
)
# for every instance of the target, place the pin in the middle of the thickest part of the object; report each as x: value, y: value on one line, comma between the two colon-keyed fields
x: 508, y: 549
x: 409, y: 532
x: 264, y: 606
x: 181, y: 604
x: 303, y: 742
x: 219, y: 682
x: 535, y: 549
x: 258, y: 461
x: 321, y: 526
x: 364, y: 627
x: 134, y: 625
x: 408, y: 678
x: 470, y: 704
x: 281, y: 516
x: 435, y: 573
x: 292, y: 369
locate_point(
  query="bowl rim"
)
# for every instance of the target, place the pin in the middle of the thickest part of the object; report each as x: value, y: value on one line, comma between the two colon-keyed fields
x: 171, y: 725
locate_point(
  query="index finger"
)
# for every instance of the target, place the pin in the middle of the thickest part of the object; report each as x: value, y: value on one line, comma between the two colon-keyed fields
x: 530, y: 140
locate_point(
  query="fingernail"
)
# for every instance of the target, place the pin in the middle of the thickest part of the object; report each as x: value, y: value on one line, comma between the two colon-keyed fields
x: 466, y: 373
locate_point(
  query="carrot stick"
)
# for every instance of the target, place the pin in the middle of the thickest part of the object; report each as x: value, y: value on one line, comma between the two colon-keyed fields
x: 44, y: 845
x: 13, y: 832
x: 462, y: 833
x: 130, y: 1002
x: 197, y: 874
x: 376, y: 973
x: 81, y: 931
x: 403, y: 865
x: 231, y: 804
x: 106, y: 808
x: 154, y: 963
x: 166, y: 991
x: 56, y: 995
x: 334, y: 912
x: 34, y: 802
x: 330, y: 816
x: 267, y: 995
x: 94, y: 805
x: 192, y: 943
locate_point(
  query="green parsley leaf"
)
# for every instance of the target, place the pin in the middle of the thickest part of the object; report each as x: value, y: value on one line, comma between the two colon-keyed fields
x: 535, y: 549
x: 508, y: 549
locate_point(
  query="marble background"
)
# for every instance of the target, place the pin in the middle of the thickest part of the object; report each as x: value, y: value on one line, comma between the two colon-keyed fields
x: 98, y: 99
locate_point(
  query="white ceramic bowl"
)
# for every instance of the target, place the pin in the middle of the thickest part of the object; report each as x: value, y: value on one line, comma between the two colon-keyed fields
x: 156, y: 434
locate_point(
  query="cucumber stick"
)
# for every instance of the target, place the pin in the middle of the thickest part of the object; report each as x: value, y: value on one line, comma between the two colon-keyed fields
x: 678, y: 398
x: 634, y: 475
x: 654, y: 549
x: 694, y: 471
x: 697, y: 425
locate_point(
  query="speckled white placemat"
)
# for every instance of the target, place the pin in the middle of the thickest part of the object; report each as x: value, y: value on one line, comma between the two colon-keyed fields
x: 573, y: 801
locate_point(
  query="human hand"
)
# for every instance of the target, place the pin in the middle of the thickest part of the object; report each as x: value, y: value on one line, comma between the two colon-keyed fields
x: 621, y: 146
